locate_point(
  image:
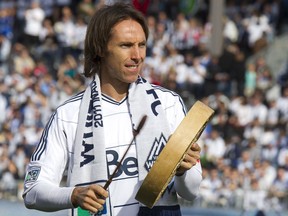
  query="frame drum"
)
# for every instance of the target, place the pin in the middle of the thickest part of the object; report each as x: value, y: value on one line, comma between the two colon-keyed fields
x: 165, y: 166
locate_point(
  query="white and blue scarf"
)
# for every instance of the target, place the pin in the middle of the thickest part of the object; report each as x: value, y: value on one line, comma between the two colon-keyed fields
x: 90, y: 140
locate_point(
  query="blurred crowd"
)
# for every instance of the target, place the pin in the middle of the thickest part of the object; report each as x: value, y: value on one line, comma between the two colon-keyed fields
x: 244, y: 147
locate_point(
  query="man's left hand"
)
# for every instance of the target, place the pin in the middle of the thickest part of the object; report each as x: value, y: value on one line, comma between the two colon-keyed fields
x: 191, y: 158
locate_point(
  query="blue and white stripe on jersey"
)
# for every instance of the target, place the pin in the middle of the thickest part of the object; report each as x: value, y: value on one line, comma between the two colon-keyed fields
x: 160, y: 88
x: 43, y: 140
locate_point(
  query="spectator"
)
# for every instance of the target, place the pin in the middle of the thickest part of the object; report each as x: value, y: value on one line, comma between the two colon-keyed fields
x: 230, y: 31
x: 267, y: 174
x: 215, y: 146
x: 79, y: 37
x: 250, y: 80
x: 47, y: 31
x: 257, y: 27
x: 23, y: 61
x: 258, y: 108
x: 254, y: 197
x: 264, y: 80
x: 5, y: 49
x: 278, y: 192
x: 210, y: 188
x: 245, y: 162
x: 7, y: 18
x: 282, y: 105
x: 64, y: 29
x: 196, y: 75
x: 3, y: 104
x: 68, y: 68
x: 283, y: 158
x: 85, y: 9
x: 34, y: 17
x: 273, y: 115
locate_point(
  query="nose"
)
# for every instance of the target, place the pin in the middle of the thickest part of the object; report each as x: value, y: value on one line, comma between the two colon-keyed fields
x: 135, y: 53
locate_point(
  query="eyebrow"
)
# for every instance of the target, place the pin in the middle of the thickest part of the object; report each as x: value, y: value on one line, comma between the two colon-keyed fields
x: 131, y: 43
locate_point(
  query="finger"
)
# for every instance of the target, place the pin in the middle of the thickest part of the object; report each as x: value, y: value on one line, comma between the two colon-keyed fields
x: 95, y: 198
x: 191, y: 155
x: 91, y: 205
x: 99, y: 191
x: 195, y: 147
x: 193, y: 158
x: 188, y: 163
x: 96, y: 211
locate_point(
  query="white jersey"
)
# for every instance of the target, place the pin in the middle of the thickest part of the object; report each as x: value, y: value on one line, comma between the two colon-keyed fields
x: 51, y: 159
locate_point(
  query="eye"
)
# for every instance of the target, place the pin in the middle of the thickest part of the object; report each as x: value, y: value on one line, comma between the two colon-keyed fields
x: 125, y: 45
x: 142, y: 45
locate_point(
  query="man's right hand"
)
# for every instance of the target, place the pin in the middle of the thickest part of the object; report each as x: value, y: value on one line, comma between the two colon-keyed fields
x: 91, y: 198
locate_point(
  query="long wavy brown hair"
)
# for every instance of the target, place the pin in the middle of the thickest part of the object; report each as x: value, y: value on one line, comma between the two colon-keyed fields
x: 99, y: 32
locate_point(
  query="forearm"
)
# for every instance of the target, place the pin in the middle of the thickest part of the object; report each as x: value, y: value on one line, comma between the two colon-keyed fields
x: 187, y: 185
x: 45, y: 196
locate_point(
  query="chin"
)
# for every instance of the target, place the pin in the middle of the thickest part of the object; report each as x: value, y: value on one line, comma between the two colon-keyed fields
x: 132, y: 79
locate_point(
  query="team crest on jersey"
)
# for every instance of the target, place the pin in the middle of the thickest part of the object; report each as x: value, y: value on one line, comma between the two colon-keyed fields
x: 158, y: 145
x: 32, y: 174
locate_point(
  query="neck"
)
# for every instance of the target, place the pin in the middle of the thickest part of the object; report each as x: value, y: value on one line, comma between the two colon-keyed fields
x: 115, y: 89
x: 115, y: 93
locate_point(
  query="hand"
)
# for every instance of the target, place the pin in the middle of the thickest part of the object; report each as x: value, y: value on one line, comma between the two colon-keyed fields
x: 191, y: 158
x: 91, y: 198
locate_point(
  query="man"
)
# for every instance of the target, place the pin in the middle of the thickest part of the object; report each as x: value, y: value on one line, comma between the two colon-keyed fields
x: 34, y: 17
x: 87, y: 135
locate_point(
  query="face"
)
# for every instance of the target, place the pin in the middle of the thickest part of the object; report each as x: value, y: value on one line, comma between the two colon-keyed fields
x: 125, y: 54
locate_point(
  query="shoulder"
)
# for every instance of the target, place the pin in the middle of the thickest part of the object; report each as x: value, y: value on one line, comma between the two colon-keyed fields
x: 69, y: 110
x: 168, y: 97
